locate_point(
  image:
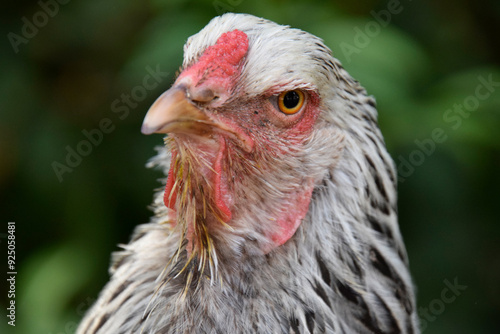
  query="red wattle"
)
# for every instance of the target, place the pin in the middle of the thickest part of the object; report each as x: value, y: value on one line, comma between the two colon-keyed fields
x: 219, y: 191
x: 169, y: 198
x: 220, y: 194
x: 294, y: 212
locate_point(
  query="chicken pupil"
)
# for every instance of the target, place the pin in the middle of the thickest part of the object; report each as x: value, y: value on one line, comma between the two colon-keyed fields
x: 291, y: 99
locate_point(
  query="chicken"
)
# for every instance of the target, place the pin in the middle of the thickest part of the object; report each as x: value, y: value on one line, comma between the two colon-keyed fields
x: 279, y: 210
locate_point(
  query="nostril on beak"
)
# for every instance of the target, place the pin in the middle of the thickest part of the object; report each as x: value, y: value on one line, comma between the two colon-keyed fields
x: 204, y: 95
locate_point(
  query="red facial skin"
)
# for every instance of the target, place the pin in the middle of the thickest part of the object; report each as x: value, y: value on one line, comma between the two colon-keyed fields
x: 264, y: 128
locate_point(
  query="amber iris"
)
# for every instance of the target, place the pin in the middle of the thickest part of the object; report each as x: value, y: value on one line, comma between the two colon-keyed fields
x: 290, y: 102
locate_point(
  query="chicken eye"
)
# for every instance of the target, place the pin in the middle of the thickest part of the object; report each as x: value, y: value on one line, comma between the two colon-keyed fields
x: 290, y: 102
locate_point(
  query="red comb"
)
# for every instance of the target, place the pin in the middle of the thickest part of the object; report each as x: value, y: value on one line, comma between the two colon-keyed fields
x: 221, y: 60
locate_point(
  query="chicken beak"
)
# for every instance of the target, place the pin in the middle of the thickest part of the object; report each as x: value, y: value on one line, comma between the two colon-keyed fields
x: 174, y: 112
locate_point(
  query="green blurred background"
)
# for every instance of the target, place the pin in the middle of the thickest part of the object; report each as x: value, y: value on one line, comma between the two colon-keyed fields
x: 421, y: 62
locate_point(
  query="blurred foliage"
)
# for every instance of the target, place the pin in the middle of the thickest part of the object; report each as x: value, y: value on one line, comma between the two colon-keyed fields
x: 65, y: 79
